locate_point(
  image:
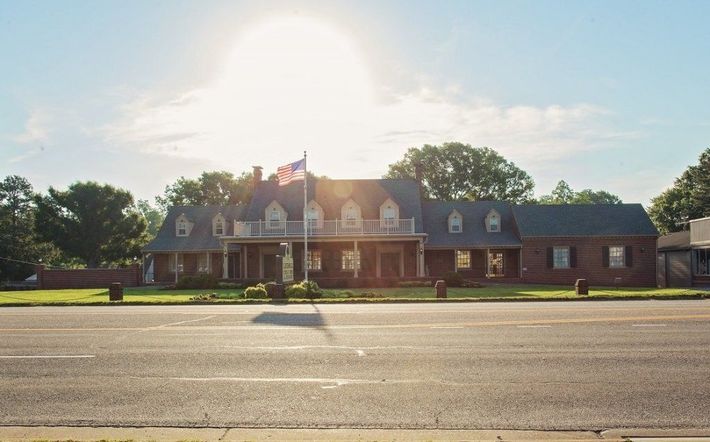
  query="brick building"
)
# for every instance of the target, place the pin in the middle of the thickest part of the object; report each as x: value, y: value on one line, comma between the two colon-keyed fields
x: 363, y: 232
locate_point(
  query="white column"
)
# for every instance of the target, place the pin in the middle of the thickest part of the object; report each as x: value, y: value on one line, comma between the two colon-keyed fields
x: 357, y: 255
x: 245, y: 257
x: 422, y: 262
x: 488, y: 261
x: 225, y: 262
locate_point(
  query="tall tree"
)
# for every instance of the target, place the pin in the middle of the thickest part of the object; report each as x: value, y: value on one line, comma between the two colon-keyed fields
x: 19, y: 246
x: 457, y: 171
x: 688, y: 198
x: 210, y: 188
x: 564, y: 194
x: 95, y: 223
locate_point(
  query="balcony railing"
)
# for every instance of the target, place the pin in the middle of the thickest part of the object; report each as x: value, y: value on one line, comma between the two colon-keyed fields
x: 325, y: 228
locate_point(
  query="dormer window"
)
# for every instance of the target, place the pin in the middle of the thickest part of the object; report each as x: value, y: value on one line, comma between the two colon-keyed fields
x: 314, y: 214
x: 351, y: 214
x: 389, y: 212
x: 455, y: 222
x: 182, y: 226
x: 218, y: 223
x: 275, y: 215
x: 493, y: 221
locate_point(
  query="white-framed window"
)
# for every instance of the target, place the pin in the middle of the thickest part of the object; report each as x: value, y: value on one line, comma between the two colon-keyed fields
x: 616, y: 256
x: 463, y: 259
x: 701, y: 262
x: 314, y: 260
x: 219, y: 227
x: 495, y: 226
x: 350, y: 216
x: 172, y: 262
x: 388, y: 214
x: 182, y: 228
x: 560, y: 257
x: 275, y: 218
x: 202, y: 263
x: 455, y: 224
x: 350, y: 259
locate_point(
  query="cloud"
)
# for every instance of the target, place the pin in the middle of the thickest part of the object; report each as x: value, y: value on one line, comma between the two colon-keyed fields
x: 295, y: 85
x: 35, y: 130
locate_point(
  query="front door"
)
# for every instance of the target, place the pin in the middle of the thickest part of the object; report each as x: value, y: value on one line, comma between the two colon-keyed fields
x: 389, y: 265
x: 233, y: 265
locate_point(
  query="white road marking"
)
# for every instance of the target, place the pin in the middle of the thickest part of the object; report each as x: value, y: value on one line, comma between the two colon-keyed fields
x: 534, y: 326
x: 360, y: 353
x: 181, y: 322
x: 445, y: 327
x: 47, y: 356
x: 648, y: 325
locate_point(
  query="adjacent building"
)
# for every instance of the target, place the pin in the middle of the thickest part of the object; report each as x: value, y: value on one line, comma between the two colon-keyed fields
x: 370, y: 232
x: 684, y: 257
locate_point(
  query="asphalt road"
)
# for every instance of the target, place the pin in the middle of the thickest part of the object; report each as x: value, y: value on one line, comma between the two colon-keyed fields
x: 547, y: 366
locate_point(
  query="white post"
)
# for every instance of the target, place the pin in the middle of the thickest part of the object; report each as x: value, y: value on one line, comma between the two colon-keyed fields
x: 422, y: 271
x: 357, y: 260
x: 225, y: 262
x: 305, y: 218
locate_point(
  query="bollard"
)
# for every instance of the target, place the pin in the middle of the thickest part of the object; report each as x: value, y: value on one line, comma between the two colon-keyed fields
x: 440, y: 287
x: 581, y: 287
x: 115, y: 292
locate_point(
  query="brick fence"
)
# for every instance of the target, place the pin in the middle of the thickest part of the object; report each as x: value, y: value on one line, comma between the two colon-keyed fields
x: 87, y: 278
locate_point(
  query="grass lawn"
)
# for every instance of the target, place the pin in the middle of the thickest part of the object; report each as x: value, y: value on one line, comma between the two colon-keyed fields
x: 153, y: 295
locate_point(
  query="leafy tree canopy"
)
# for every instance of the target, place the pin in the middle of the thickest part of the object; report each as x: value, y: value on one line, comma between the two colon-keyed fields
x: 564, y: 194
x: 689, y: 198
x: 153, y: 217
x: 210, y: 188
x: 95, y: 223
x: 457, y: 171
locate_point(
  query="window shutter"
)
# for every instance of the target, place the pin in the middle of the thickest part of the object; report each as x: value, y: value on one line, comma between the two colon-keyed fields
x: 628, y: 256
x: 549, y: 257
x: 573, y: 257
x: 605, y: 256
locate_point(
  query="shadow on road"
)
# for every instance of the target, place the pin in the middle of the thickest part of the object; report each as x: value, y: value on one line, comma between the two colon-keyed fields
x: 311, y: 320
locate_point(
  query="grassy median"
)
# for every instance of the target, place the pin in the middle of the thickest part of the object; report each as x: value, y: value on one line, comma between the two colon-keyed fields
x: 497, y: 292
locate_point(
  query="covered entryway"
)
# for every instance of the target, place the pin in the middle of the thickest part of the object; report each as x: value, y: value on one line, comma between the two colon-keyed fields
x: 390, y: 264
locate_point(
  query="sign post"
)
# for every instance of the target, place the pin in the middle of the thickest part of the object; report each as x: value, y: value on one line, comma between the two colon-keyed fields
x: 284, y: 269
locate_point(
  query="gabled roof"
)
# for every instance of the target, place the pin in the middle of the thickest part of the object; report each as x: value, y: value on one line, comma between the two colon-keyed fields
x: 474, y: 233
x: 200, y: 238
x: 332, y: 194
x: 674, y: 241
x: 583, y: 220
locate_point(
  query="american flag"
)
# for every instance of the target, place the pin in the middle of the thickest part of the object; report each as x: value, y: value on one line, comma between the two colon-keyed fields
x: 291, y: 172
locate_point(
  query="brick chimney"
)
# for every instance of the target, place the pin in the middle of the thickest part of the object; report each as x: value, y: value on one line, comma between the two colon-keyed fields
x: 256, y: 176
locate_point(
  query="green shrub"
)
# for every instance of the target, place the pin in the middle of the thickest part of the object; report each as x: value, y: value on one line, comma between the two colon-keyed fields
x: 303, y: 289
x: 255, y: 292
x: 203, y: 281
x: 296, y: 291
x: 204, y: 297
x: 370, y: 295
x: 453, y: 279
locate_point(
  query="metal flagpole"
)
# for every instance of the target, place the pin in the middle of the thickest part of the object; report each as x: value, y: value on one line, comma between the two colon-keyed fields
x: 305, y: 218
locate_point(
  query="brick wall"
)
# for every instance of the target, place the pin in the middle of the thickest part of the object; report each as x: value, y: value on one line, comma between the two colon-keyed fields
x: 590, y: 266
x: 442, y: 261
x: 87, y: 278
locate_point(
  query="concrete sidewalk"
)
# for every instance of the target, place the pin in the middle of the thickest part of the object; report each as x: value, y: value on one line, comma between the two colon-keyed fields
x: 21, y: 433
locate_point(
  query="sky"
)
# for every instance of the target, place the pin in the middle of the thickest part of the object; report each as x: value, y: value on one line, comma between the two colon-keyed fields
x: 606, y: 95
